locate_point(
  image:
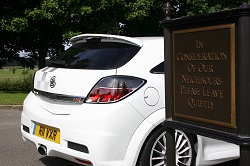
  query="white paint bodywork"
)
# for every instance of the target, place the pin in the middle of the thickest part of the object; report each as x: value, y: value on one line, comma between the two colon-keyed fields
x: 114, y: 133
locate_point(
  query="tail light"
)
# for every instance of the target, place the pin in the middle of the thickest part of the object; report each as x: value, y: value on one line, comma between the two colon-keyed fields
x: 114, y: 88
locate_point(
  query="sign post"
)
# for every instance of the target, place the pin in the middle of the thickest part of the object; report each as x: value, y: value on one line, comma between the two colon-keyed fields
x: 207, y: 76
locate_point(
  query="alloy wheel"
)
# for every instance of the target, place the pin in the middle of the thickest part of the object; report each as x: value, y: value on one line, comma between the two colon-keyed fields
x: 183, y: 150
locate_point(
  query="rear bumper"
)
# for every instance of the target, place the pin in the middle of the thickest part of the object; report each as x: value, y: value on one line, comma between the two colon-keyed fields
x: 104, y: 129
x: 212, y: 151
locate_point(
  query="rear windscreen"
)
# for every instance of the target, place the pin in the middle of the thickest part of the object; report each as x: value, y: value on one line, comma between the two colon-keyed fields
x: 96, y: 55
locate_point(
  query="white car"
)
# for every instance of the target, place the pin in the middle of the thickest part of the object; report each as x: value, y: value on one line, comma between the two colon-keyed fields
x: 101, y: 103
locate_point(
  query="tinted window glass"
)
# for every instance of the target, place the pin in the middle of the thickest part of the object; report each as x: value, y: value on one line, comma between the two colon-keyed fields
x: 96, y: 55
x: 159, y: 69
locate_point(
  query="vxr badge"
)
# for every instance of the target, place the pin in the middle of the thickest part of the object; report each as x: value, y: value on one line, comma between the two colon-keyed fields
x: 53, y: 82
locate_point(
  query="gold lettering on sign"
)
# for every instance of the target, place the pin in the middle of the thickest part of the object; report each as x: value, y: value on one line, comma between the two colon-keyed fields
x: 202, y: 56
x: 199, y: 44
x: 200, y: 103
x: 204, y: 74
x: 200, y: 80
x: 197, y: 65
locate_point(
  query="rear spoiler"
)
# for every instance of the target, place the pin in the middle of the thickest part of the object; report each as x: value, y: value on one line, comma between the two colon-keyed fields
x: 106, y: 38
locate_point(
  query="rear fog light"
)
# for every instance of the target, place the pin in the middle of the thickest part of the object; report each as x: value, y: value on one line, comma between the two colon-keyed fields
x: 86, y: 162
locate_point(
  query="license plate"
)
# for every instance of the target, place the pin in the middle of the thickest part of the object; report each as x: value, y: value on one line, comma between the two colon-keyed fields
x: 47, y: 132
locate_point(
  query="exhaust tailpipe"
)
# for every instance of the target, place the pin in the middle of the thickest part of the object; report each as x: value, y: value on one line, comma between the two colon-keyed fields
x: 42, y: 150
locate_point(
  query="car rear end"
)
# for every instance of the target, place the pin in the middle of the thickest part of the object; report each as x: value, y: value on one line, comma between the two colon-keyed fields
x: 80, y: 106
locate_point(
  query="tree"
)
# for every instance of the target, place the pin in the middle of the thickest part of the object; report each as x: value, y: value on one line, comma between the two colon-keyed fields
x: 141, y: 17
x: 194, y: 7
x: 9, y: 45
x: 43, y: 26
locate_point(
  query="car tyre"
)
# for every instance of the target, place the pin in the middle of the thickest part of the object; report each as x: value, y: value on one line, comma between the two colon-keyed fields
x: 154, y: 150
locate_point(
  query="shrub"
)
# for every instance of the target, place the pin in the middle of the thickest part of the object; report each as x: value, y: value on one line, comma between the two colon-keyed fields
x: 22, y: 84
x: 5, y: 84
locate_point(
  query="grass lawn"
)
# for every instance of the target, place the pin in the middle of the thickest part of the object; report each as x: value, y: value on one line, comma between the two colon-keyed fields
x: 11, y: 82
x: 12, y: 97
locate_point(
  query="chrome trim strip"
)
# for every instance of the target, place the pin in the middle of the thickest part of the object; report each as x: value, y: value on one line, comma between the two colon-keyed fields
x: 59, y: 97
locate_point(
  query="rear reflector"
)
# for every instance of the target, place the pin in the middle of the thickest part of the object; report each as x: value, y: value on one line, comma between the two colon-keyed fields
x: 25, y: 128
x: 78, y: 147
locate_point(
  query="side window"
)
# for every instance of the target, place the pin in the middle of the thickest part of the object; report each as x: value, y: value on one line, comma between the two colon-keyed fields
x: 159, y: 69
